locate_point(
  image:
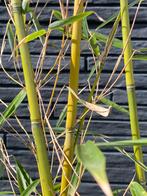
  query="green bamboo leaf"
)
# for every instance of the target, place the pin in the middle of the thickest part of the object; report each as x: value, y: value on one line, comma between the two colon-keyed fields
x: 59, y: 129
x: 94, y: 161
x: 123, y: 143
x: 85, y: 33
x: 141, y: 57
x: 69, y: 20
x: 6, y: 193
x: 103, y: 38
x: 75, y: 181
x: 22, y: 185
x: 57, y: 187
x: 93, y: 70
x: 62, y: 116
x: 137, y: 190
x: 94, y: 44
x: 10, y: 35
x: 114, y: 105
x: 26, y: 6
x: 57, y: 14
x: 34, y: 35
x: 30, y: 188
x: 37, y: 25
x: 23, y: 172
x: 12, y: 107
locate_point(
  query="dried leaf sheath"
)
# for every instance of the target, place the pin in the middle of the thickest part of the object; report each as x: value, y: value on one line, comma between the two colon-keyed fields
x: 72, y: 101
x: 130, y: 85
x: 41, y: 151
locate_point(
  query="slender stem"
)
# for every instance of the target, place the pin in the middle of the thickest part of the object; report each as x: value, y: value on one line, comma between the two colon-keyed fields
x: 130, y: 85
x: 72, y: 101
x: 35, y: 115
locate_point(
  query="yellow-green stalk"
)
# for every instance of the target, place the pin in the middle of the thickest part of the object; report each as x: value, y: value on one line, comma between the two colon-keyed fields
x: 35, y: 116
x: 72, y: 101
x: 130, y: 85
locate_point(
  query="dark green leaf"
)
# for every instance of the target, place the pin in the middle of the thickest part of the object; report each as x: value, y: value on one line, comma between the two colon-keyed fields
x: 94, y: 44
x: 23, y: 172
x: 103, y: 38
x: 10, y: 35
x: 30, y: 188
x: 85, y: 33
x: 12, y: 107
x: 62, y: 116
x: 114, y: 105
x: 75, y: 181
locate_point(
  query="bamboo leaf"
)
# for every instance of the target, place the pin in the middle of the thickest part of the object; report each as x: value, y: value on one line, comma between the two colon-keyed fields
x: 141, y: 57
x: 76, y: 179
x: 24, y: 173
x: 20, y: 180
x: 10, y: 35
x: 12, y: 107
x: 114, y: 105
x: 62, y: 116
x: 23, y: 177
x: 57, y: 14
x: 57, y: 187
x: 137, y: 190
x: 94, y: 161
x: 6, y: 193
x: 33, y: 36
x: 123, y: 143
x: 94, y: 44
x: 103, y: 38
x: 30, y: 188
x: 93, y: 107
x: 26, y: 6
x: 69, y: 20
x: 85, y: 33
x: 37, y: 25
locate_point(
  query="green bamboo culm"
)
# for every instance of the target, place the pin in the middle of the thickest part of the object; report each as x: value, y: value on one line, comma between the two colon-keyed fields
x: 130, y: 85
x: 72, y: 101
x: 35, y: 115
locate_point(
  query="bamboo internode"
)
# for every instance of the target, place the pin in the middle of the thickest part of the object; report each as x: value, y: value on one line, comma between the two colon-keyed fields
x: 35, y: 116
x: 72, y: 101
x: 130, y: 85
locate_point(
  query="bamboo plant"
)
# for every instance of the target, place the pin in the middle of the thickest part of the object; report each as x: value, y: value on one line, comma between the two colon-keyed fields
x: 130, y: 85
x: 72, y: 101
x: 35, y: 115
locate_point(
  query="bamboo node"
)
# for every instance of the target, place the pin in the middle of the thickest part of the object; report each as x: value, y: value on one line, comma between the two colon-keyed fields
x: 71, y: 130
x: 16, y: 8
x: 131, y: 86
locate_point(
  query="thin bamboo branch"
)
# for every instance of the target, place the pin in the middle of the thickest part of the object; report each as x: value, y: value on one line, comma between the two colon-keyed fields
x: 35, y: 115
x: 130, y: 85
x: 72, y: 101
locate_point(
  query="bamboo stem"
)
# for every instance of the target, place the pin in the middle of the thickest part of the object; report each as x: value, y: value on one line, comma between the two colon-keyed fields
x: 72, y: 101
x: 130, y: 85
x: 35, y: 115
